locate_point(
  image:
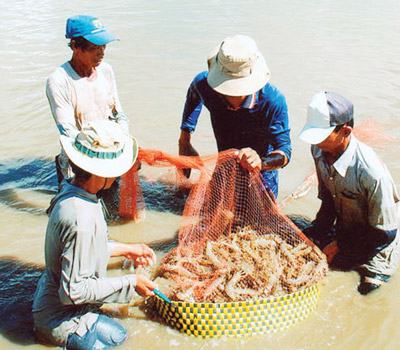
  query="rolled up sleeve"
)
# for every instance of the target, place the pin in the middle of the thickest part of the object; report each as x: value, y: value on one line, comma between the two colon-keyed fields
x: 192, y: 109
x: 279, y: 127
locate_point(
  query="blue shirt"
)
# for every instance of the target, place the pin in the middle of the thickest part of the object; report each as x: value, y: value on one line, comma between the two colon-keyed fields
x: 260, y: 123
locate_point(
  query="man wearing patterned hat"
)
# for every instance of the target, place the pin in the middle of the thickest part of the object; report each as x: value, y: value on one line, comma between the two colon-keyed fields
x: 247, y: 112
x: 74, y: 285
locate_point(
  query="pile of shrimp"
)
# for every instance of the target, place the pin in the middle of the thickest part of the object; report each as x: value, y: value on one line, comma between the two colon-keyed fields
x: 241, y: 266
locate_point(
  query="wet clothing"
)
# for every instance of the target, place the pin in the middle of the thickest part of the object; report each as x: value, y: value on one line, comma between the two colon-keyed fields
x: 104, y: 333
x: 74, y: 284
x: 360, y: 209
x: 260, y: 123
x: 76, y: 100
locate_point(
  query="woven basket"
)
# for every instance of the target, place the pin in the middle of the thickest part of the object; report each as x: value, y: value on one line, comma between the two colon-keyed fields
x: 239, y: 318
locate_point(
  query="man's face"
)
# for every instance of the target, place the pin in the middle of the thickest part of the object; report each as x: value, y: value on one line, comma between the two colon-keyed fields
x: 333, y: 141
x: 91, y: 55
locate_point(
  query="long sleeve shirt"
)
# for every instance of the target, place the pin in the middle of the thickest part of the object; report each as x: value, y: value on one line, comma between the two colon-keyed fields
x: 75, y: 283
x: 75, y: 101
x: 260, y: 123
x: 359, y: 197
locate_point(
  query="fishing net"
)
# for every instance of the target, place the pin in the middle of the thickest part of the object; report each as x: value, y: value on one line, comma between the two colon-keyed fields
x: 234, y: 242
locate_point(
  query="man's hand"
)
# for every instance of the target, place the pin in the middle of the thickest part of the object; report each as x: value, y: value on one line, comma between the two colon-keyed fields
x: 275, y: 160
x: 330, y: 251
x: 144, y: 287
x: 186, y: 149
x: 249, y: 159
x: 140, y: 254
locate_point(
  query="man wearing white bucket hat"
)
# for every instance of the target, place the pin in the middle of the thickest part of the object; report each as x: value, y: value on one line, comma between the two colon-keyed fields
x: 75, y: 284
x: 247, y: 112
x: 358, y: 222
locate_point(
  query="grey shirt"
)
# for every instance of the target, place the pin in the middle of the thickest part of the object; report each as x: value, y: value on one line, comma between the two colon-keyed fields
x: 361, y: 190
x: 74, y: 283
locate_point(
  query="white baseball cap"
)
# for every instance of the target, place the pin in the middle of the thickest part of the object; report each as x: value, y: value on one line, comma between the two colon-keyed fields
x: 325, y: 111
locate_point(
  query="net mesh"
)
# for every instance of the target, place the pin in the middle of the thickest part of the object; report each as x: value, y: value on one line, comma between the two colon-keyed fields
x: 234, y: 242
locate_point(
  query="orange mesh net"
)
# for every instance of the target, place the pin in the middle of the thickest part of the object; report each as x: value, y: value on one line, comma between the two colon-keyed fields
x: 129, y: 191
x: 234, y: 243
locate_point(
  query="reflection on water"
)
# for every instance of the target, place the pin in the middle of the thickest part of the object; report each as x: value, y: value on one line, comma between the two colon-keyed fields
x: 19, y: 178
x: 18, y: 281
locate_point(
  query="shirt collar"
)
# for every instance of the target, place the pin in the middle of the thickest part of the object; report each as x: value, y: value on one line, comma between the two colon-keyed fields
x: 249, y: 102
x: 344, y: 161
x: 68, y: 187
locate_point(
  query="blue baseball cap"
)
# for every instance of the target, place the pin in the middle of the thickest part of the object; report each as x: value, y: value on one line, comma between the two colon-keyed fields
x: 90, y: 28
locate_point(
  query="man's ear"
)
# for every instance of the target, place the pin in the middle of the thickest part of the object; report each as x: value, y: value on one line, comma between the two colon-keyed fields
x: 72, y: 44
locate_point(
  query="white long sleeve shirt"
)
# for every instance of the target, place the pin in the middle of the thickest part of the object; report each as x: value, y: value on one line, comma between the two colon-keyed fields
x: 75, y: 101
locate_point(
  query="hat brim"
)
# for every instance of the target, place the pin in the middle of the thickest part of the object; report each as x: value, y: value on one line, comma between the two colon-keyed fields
x: 102, y: 167
x: 100, y: 38
x: 238, y: 86
x: 314, y: 135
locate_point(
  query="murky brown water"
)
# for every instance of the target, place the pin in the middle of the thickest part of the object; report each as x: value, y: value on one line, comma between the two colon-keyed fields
x: 347, y: 46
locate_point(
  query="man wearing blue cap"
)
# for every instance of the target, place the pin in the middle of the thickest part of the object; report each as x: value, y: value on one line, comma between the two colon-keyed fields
x: 358, y: 222
x: 83, y: 89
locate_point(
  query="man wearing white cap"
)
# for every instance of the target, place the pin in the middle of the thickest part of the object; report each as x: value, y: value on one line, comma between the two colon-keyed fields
x: 83, y: 89
x: 358, y: 222
x: 247, y: 112
x: 74, y: 284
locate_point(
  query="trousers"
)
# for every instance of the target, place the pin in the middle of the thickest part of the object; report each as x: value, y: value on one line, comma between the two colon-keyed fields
x: 105, y: 333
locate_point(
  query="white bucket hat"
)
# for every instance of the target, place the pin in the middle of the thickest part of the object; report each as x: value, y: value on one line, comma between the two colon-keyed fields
x: 101, y: 148
x: 325, y: 111
x: 238, y: 68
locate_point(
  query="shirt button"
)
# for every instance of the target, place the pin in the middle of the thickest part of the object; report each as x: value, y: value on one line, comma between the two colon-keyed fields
x: 331, y: 178
x: 334, y: 196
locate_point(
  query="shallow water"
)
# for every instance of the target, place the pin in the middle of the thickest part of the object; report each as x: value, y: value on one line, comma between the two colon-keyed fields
x: 346, y: 46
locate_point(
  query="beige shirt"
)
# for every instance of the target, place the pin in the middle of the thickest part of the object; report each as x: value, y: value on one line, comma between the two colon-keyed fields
x: 75, y: 101
x: 361, y: 189
x: 75, y: 283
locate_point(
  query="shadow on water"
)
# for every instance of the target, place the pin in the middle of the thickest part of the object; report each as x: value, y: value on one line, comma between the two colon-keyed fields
x: 39, y: 175
x: 18, y: 281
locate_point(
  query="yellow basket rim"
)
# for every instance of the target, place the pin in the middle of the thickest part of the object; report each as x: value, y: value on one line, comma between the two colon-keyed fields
x: 239, y: 303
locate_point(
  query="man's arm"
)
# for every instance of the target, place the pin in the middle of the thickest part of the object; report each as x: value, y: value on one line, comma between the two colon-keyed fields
x: 382, y: 211
x: 79, y: 283
x: 185, y: 146
x: 60, y: 98
x: 274, y: 160
x: 118, y: 114
x: 321, y: 229
x: 140, y: 254
x: 326, y: 214
x: 280, y: 137
x: 190, y: 116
